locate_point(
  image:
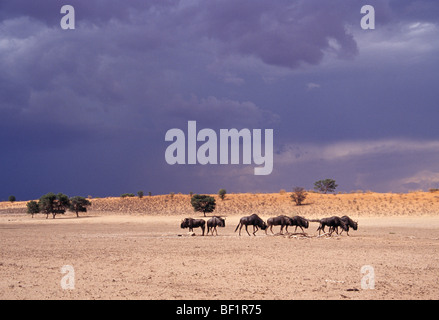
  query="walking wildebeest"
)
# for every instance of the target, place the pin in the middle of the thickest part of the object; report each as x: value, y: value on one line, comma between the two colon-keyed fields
x: 252, y: 220
x: 349, y: 223
x: 300, y: 222
x: 193, y: 223
x: 332, y: 223
x: 282, y: 221
x: 214, y: 222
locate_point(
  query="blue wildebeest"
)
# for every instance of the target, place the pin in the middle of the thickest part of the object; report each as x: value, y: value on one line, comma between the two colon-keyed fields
x: 285, y: 221
x: 332, y: 223
x: 214, y: 222
x: 300, y: 222
x: 253, y: 220
x: 349, y: 223
x: 193, y: 223
x: 282, y: 221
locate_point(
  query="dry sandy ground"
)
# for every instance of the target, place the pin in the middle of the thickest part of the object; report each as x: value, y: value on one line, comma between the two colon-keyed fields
x: 142, y: 257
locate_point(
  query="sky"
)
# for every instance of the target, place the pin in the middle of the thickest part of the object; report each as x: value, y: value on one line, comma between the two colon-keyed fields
x: 85, y: 111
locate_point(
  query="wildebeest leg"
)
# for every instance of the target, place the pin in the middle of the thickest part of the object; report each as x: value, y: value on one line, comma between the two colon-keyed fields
x: 271, y: 229
x: 300, y: 228
x: 240, y: 229
x: 331, y: 230
x: 215, y: 231
x: 246, y: 229
x: 255, y: 227
x: 281, y: 228
x: 202, y: 228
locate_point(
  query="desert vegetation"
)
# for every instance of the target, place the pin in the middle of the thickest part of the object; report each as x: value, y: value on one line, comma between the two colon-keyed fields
x: 357, y: 203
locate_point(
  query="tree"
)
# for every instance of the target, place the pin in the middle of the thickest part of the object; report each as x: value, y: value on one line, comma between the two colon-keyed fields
x: 53, y: 204
x: 140, y: 193
x: 32, y: 207
x: 203, y: 203
x: 12, y: 198
x: 222, y: 193
x: 127, y: 195
x: 79, y: 204
x: 299, y: 195
x: 325, y: 186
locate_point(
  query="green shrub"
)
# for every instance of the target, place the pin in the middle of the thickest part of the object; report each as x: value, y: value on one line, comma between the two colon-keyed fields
x: 222, y: 193
x: 127, y: 195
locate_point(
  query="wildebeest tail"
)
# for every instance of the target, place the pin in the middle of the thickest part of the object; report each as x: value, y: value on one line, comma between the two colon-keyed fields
x: 237, y: 226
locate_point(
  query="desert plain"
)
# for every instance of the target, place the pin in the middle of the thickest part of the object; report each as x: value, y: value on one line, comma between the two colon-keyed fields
x: 135, y: 249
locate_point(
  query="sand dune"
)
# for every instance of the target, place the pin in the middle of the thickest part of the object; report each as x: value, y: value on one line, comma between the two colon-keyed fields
x: 316, y: 205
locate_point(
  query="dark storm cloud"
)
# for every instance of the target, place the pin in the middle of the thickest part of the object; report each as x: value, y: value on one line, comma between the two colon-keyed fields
x: 110, y: 89
x: 280, y: 33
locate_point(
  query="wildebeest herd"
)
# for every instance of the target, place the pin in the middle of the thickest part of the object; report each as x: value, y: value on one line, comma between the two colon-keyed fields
x: 283, y: 221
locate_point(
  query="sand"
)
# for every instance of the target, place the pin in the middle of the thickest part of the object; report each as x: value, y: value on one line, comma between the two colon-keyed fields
x: 122, y: 256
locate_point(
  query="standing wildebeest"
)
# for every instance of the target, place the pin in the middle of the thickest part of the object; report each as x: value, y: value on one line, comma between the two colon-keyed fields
x: 193, y: 223
x: 282, y: 221
x: 300, y: 222
x: 214, y: 222
x: 332, y: 223
x: 253, y: 220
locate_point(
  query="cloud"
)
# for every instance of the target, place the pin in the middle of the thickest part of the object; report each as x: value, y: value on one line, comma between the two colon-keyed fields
x: 280, y: 33
x: 213, y: 112
x: 350, y: 150
x: 312, y: 85
x: 424, y: 179
x: 133, y: 69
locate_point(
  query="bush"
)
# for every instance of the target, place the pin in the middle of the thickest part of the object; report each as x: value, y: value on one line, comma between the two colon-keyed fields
x: 140, y: 194
x: 325, y: 186
x: 127, y: 195
x: 12, y: 198
x: 53, y: 204
x: 203, y: 203
x: 32, y: 208
x: 299, y: 195
x: 222, y: 193
x: 79, y: 204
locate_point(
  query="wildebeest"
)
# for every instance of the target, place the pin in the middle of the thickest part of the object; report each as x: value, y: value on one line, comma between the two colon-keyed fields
x: 332, y: 223
x: 253, y: 220
x: 214, y: 222
x: 193, y: 223
x: 300, y: 222
x: 349, y: 223
x: 282, y: 221
x: 285, y: 221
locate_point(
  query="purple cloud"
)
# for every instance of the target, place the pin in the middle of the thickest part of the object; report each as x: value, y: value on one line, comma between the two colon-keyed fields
x: 131, y: 70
